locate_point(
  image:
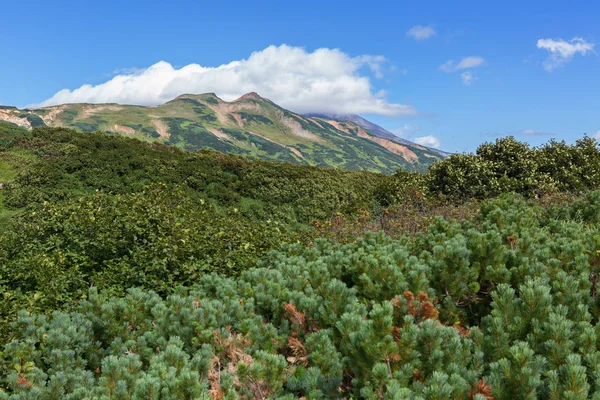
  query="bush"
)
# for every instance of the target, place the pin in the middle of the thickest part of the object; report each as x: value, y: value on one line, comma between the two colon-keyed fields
x: 155, y: 240
x: 503, y: 306
x: 70, y: 164
x: 512, y: 166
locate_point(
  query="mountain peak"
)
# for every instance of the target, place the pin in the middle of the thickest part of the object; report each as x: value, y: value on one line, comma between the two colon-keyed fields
x: 195, y: 96
x: 251, y: 95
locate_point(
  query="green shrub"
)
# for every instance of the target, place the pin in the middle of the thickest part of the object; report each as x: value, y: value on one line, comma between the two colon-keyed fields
x: 155, y: 239
x: 512, y: 166
x: 71, y: 164
x: 503, y: 306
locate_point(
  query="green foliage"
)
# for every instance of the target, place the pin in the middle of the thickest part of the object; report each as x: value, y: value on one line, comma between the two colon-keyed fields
x: 71, y: 164
x: 502, y: 306
x: 512, y: 166
x: 404, y: 187
x: 6, y: 128
x: 6, y: 143
x: 154, y: 239
x: 34, y: 120
x: 255, y: 118
x: 148, y: 272
x: 86, y: 126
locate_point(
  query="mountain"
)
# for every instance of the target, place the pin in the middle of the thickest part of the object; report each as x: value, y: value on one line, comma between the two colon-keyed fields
x: 251, y: 125
x: 372, y: 128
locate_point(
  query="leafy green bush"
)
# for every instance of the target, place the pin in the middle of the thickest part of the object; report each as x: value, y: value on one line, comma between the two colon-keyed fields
x: 503, y: 306
x: 7, y: 128
x: 6, y: 143
x: 512, y: 166
x: 403, y: 187
x: 155, y: 239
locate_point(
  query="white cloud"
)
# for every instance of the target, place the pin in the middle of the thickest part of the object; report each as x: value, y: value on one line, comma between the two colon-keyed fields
x: 561, y: 51
x: 465, y: 63
x: 127, y: 71
x: 532, y: 132
x: 419, y: 32
x: 409, y: 131
x: 596, y: 135
x: 428, y: 141
x: 326, y: 80
x: 373, y: 62
x: 470, y: 62
x: 447, y: 66
x: 467, y: 78
x: 406, y: 131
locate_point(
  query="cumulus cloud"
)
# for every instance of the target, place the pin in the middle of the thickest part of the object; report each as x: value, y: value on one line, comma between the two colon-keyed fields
x: 596, y: 135
x: 465, y: 63
x: 419, y: 32
x: 325, y: 80
x: 428, y: 141
x: 467, y: 78
x: 532, y: 132
x: 409, y: 131
x: 374, y: 63
x: 406, y: 131
x: 127, y: 71
x: 562, y: 51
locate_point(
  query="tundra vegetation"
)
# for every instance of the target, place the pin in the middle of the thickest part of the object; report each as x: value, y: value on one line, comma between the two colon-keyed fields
x: 135, y: 270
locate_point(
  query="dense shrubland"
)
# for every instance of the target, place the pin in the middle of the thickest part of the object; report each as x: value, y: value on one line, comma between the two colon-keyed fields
x: 70, y: 164
x: 149, y: 272
x: 154, y: 239
x: 502, y: 306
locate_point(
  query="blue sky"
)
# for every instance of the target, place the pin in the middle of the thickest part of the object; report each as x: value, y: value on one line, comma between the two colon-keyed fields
x: 530, y: 68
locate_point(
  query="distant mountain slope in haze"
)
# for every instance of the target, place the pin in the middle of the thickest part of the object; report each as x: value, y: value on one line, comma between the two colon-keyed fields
x: 374, y: 129
x: 251, y: 126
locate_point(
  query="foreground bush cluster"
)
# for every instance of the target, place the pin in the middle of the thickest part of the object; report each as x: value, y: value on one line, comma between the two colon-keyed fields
x: 503, y: 306
x: 155, y: 239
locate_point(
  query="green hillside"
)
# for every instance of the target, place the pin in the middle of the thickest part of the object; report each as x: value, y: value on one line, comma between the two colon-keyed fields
x: 250, y: 126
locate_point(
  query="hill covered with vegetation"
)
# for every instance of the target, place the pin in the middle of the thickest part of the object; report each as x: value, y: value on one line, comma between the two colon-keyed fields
x: 251, y: 126
x: 134, y: 270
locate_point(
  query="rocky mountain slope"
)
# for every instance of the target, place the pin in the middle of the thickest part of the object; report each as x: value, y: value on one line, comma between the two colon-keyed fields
x: 251, y: 126
x: 372, y: 128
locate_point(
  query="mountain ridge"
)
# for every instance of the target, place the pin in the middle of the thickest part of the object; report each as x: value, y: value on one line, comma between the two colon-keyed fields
x: 375, y: 129
x: 251, y: 125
